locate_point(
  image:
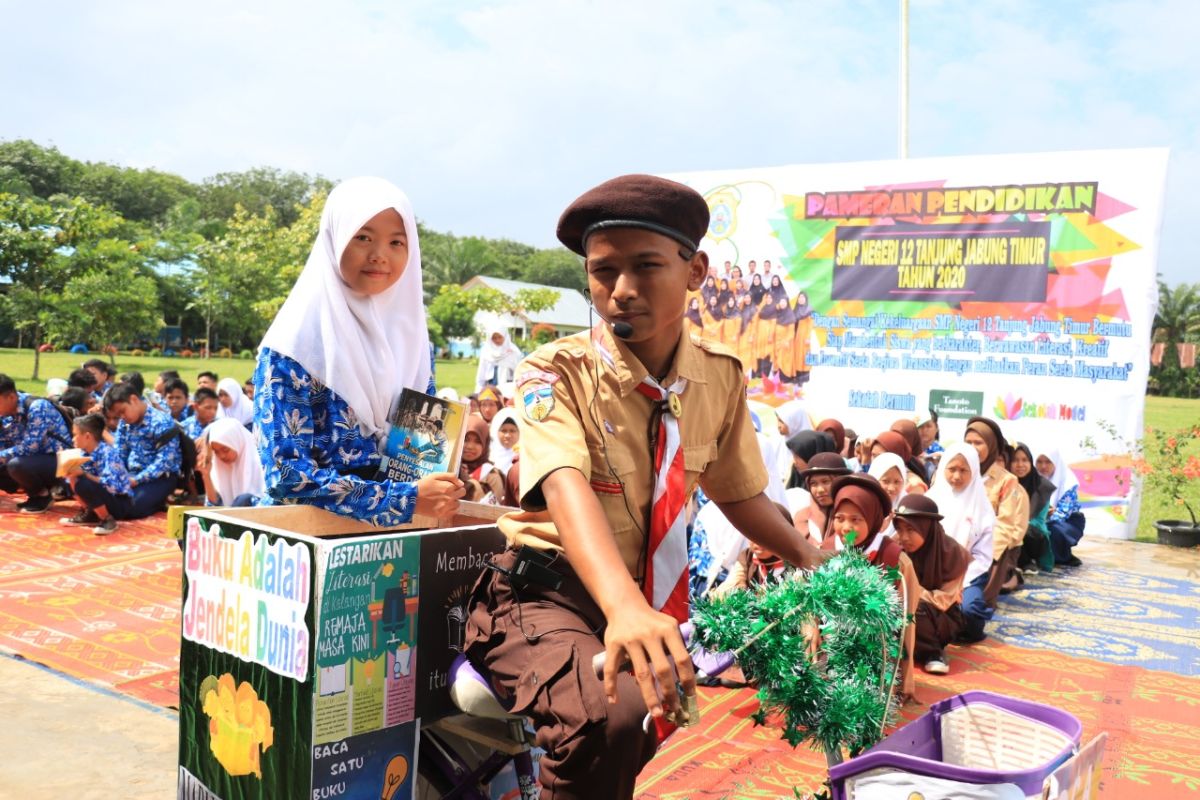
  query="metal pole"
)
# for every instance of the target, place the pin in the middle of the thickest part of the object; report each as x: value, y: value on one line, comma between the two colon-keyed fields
x: 904, y: 78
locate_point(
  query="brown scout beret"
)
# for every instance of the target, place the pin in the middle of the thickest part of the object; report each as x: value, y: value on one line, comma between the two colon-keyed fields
x: 636, y: 201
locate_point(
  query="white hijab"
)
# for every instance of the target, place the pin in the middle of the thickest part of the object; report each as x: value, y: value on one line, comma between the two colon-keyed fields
x: 501, y: 354
x: 880, y: 466
x: 364, y: 348
x: 244, y: 476
x: 794, y: 417
x: 967, y: 512
x: 498, y: 454
x: 1064, y: 479
x: 242, y: 408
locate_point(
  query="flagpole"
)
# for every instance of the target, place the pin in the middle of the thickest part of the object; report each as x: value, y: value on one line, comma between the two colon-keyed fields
x: 903, y: 78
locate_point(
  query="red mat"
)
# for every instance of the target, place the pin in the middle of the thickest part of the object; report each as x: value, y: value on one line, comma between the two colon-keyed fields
x: 101, y: 608
x: 1152, y: 718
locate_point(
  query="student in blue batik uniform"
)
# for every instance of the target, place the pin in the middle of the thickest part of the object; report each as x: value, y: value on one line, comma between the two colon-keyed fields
x: 1066, y: 521
x: 350, y: 337
x: 32, y: 431
x: 102, y: 478
x: 147, y: 441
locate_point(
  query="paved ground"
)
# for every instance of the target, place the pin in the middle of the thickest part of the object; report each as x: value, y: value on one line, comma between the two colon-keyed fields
x: 63, y: 739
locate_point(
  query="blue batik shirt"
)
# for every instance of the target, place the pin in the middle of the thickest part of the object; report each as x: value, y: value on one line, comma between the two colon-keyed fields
x: 1067, y: 505
x: 36, y: 429
x: 108, y: 470
x: 194, y: 428
x: 136, y: 446
x: 309, y: 441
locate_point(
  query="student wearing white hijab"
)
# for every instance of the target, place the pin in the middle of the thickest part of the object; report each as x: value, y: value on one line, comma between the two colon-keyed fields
x: 498, y: 359
x: 233, y: 402
x: 1066, y: 521
x: 889, y: 470
x: 504, y: 445
x: 234, y: 474
x: 968, y: 518
x: 349, y: 338
x: 792, y: 418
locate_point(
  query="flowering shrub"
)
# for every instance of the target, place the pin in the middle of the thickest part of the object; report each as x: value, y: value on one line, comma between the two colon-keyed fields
x: 1173, y: 473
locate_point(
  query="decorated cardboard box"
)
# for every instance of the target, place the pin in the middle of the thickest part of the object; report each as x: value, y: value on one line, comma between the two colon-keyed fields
x: 314, y: 645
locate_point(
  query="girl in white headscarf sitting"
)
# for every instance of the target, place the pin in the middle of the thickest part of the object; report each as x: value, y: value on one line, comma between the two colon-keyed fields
x: 498, y: 359
x: 233, y: 402
x: 348, y: 339
x: 968, y: 518
x: 233, y: 474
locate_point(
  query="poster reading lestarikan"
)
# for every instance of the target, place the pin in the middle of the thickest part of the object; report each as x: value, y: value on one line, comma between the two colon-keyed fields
x: 1017, y: 287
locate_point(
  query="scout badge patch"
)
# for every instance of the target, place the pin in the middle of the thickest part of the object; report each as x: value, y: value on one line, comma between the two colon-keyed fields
x: 538, y: 399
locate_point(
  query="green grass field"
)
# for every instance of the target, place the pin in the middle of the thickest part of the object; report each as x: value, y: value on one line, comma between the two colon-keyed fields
x: 1161, y: 412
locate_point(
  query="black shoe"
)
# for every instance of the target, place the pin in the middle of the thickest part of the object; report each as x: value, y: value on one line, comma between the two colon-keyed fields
x: 84, y: 517
x: 1073, y: 561
x: 60, y: 492
x: 35, y: 505
x: 968, y: 637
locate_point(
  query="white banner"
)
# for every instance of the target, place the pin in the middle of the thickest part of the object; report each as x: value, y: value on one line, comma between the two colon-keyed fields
x: 1018, y: 287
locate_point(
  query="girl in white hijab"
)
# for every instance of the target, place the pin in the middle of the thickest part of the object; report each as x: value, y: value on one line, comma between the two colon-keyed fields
x: 233, y: 402
x: 349, y: 338
x: 882, y: 469
x: 1066, y: 521
x: 968, y: 518
x: 503, y: 450
x: 235, y: 475
x: 498, y: 359
x: 792, y: 418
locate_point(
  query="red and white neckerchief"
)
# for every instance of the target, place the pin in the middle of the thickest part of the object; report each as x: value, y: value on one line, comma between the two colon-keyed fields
x: 666, y: 586
x: 870, y: 549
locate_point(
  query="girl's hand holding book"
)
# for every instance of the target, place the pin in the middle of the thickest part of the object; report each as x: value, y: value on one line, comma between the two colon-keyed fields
x: 438, y: 495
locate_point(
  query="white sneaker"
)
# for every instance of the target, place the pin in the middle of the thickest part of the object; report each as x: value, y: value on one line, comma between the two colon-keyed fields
x: 107, y: 525
x: 936, y: 666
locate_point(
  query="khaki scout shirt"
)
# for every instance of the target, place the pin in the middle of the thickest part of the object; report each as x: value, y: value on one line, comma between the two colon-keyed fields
x: 599, y: 424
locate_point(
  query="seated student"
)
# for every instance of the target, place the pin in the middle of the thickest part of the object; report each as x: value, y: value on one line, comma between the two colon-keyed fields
x: 151, y: 456
x: 490, y: 402
x: 851, y: 451
x: 818, y: 479
x: 207, y: 380
x: 485, y: 483
x: 32, y: 431
x: 1010, y: 503
x: 350, y: 337
x: 962, y: 499
x: 939, y: 563
x: 1066, y: 521
x: 860, y: 507
x: 916, y: 463
x: 229, y: 460
x: 79, y: 399
x: 101, y: 483
x: 234, y: 403
x: 791, y: 418
x: 1035, y: 547
x: 104, y: 373
x: 892, y: 475
x: 248, y: 389
x: 894, y: 442
x: 756, y: 566
x: 83, y: 379
x: 158, y: 395
x: 587, y: 494
x: 204, y: 410
x: 837, y: 431
x: 863, y: 451
x: 505, y: 439
x: 931, y: 434
x: 135, y: 380
x: 804, y: 446
x: 175, y: 400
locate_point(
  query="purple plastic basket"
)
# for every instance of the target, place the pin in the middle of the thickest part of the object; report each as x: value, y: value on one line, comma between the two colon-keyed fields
x: 1020, y: 729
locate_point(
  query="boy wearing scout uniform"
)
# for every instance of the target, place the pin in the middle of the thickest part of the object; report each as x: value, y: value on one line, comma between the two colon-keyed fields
x: 618, y: 426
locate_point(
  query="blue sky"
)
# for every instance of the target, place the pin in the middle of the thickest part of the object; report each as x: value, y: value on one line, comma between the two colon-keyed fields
x: 493, y: 116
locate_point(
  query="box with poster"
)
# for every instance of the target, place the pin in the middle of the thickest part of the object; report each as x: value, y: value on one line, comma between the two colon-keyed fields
x: 426, y: 437
x: 312, y: 646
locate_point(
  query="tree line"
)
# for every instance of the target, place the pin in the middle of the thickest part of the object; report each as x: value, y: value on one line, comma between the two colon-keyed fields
x: 103, y: 254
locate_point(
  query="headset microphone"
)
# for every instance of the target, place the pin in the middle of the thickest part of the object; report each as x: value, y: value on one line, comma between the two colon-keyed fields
x: 620, y: 328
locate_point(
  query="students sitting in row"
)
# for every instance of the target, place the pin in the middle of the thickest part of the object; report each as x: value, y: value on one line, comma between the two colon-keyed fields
x: 32, y: 431
x: 147, y: 441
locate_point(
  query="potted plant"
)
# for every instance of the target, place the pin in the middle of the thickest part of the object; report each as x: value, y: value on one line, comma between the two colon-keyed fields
x: 1166, y: 468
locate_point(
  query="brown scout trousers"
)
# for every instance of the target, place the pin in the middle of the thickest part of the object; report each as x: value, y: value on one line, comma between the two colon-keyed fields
x: 594, y: 750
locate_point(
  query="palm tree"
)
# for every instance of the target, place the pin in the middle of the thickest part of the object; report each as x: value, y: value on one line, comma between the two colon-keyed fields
x: 1177, y: 320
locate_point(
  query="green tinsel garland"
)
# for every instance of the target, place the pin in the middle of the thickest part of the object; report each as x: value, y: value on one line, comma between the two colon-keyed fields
x: 842, y: 700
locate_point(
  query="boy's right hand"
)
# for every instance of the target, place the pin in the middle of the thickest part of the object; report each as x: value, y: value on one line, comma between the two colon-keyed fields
x: 650, y: 643
x: 438, y: 495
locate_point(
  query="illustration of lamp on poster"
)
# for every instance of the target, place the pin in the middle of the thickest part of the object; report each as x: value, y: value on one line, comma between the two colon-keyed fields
x: 366, y: 651
x: 1019, y: 287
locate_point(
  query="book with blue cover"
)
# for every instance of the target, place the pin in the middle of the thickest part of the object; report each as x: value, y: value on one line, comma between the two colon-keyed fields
x: 426, y: 437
